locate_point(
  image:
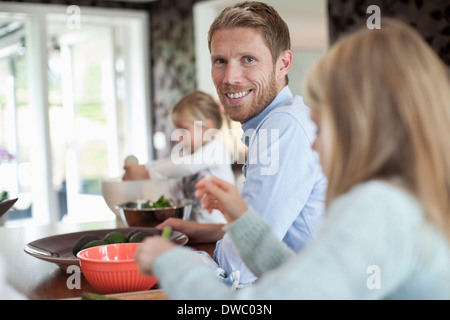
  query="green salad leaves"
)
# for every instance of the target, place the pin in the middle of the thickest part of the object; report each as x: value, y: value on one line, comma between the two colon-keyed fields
x: 162, y: 202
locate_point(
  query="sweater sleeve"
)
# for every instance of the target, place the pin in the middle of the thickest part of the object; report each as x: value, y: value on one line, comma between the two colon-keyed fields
x: 256, y: 243
x: 364, y: 250
x: 183, y: 275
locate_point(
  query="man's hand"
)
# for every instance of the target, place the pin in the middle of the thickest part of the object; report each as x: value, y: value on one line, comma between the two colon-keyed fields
x: 196, y: 232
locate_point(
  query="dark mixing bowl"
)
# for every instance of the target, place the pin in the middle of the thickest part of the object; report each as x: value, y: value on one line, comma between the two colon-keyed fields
x: 137, y: 213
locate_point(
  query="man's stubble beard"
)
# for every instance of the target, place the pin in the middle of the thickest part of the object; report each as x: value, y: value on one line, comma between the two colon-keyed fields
x: 268, y: 95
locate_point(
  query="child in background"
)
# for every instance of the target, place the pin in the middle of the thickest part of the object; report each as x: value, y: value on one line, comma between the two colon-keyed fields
x: 200, y: 153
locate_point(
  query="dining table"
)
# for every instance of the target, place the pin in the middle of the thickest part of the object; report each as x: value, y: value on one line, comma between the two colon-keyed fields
x: 38, y: 279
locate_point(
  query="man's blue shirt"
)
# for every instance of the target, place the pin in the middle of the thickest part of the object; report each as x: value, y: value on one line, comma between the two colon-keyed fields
x: 284, y: 181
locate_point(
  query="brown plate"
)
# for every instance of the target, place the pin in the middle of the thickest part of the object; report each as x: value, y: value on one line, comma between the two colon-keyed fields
x: 58, y: 249
x: 6, y: 205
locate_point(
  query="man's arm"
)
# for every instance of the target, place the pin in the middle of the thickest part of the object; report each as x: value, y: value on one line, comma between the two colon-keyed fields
x: 277, y: 187
x: 196, y: 232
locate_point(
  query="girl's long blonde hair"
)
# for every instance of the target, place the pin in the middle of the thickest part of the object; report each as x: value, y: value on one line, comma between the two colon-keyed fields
x: 384, y: 96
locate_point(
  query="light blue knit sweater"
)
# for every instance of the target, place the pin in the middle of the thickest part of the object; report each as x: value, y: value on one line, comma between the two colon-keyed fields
x: 375, y: 243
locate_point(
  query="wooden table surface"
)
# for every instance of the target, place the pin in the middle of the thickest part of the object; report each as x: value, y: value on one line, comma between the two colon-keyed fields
x: 38, y: 279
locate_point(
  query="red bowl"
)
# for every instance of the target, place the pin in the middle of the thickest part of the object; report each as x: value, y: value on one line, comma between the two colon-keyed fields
x: 113, y: 269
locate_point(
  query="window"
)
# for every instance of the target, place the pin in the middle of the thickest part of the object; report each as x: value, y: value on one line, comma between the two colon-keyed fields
x: 73, y: 104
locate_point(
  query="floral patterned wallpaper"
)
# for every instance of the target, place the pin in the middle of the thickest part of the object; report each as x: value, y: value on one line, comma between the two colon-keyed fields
x: 173, y: 60
x: 430, y: 18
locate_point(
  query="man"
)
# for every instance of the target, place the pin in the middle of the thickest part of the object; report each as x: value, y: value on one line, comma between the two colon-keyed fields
x: 251, y: 57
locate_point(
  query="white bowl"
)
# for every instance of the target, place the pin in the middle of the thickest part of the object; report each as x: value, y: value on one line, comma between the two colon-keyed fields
x: 115, y: 191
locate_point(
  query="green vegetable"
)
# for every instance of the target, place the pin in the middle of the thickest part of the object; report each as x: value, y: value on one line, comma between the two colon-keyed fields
x: 115, y: 237
x: 83, y: 241
x: 166, y: 232
x: 94, y: 243
x: 4, y: 196
x: 92, y: 240
x: 139, y: 236
x: 162, y: 202
x: 131, y: 233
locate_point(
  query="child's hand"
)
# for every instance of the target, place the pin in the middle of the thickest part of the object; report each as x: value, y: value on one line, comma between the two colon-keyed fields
x: 133, y: 172
x: 149, y: 251
x: 222, y: 196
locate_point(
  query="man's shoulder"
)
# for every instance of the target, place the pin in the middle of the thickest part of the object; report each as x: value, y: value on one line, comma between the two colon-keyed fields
x: 292, y: 111
x: 294, y: 106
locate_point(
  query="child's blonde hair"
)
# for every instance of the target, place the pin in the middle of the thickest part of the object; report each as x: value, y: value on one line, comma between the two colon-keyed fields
x: 198, y: 106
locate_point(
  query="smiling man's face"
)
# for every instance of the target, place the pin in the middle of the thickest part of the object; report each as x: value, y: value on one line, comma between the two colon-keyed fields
x: 243, y: 71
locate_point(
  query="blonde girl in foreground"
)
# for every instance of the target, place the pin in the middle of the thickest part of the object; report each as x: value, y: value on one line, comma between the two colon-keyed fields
x: 380, y: 99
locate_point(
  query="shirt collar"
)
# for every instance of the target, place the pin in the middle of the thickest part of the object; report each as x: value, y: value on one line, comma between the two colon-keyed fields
x: 283, y: 95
